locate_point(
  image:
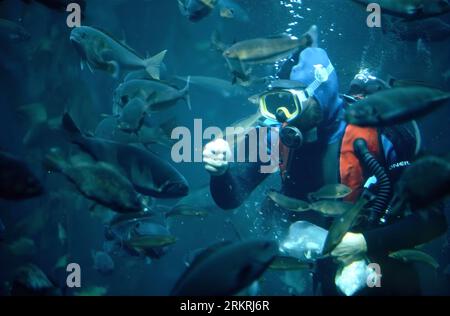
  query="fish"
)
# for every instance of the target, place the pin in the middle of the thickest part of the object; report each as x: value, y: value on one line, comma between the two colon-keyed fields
x: 147, y: 135
x: 157, y: 95
x: 17, y: 181
x: 426, y: 181
x: 287, y: 263
x: 103, y: 262
x: 196, y: 10
x: 198, y: 201
x: 92, y: 291
x: 99, y: 182
x: 62, y: 235
x: 341, y: 225
x: 414, y: 255
x: 411, y: 9
x: 132, y: 117
x: 13, y: 32
x: 226, y: 269
x: 331, y: 192
x: 288, y: 203
x: 396, y: 106
x: 143, y: 243
x: 331, y: 208
x: 149, y: 174
x: 101, y: 51
x: 30, y: 280
x: 141, y: 234
x: 233, y: 10
x: 270, y: 49
x: 186, y: 210
x: 432, y: 29
x: 22, y: 247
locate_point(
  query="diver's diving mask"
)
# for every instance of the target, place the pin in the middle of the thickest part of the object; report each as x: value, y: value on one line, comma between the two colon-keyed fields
x: 285, y: 103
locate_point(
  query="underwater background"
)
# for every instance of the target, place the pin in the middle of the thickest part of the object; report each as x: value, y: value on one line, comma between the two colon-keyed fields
x: 45, y: 71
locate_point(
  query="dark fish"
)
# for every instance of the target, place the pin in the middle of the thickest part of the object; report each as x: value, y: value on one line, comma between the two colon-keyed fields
x: 22, y: 247
x: 13, y: 32
x: 149, y: 174
x: 156, y: 95
x: 426, y: 181
x: 414, y: 255
x: 411, y: 9
x: 341, y: 225
x: 331, y: 191
x: 16, y: 179
x: 331, y: 208
x: 30, y: 280
x: 132, y: 116
x: 103, y: 262
x: 147, y: 135
x: 199, y: 201
x: 286, y: 263
x: 395, y: 106
x: 99, y: 182
x: 196, y: 10
x: 288, y: 203
x: 146, y: 242
x: 144, y: 227
x: 100, y: 51
x: 186, y: 210
x: 432, y: 29
x: 226, y: 269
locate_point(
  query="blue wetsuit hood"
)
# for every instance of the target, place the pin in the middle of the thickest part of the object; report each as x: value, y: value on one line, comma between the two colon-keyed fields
x: 327, y: 94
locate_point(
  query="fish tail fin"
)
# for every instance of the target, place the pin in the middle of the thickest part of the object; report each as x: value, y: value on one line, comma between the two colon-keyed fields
x: 313, y: 32
x: 153, y: 64
x: 186, y: 95
x: 71, y: 129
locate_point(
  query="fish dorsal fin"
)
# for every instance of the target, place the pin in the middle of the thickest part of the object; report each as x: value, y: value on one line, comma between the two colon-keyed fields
x: 201, y: 257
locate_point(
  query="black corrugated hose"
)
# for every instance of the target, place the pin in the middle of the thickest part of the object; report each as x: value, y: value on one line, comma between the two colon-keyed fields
x: 383, y: 195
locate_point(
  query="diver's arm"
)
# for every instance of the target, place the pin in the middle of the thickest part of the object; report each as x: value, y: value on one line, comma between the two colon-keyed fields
x: 421, y: 227
x: 231, y: 189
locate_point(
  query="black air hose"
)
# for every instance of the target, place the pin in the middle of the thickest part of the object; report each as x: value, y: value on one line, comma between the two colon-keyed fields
x: 383, y: 196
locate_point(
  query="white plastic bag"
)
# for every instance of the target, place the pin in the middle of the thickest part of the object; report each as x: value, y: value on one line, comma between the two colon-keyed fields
x: 354, y: 277
x: 305, y: 241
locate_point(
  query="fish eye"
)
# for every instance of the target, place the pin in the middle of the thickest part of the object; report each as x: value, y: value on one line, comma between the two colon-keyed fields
x: 83, y: 35
x: 124, y: 99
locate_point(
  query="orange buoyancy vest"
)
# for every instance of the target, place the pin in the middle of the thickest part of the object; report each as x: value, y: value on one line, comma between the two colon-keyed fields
x: 350, y: 168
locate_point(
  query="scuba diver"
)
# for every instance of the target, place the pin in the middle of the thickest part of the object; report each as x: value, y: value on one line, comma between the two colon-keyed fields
x: 317, y: 147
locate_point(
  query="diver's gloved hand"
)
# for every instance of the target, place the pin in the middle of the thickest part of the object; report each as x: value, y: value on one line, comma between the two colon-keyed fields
x: 215, y: 156
x: 352, y: 248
